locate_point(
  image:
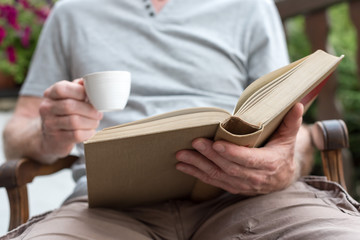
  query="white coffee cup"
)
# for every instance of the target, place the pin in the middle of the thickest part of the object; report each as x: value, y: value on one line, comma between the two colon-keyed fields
x: 109, y: 90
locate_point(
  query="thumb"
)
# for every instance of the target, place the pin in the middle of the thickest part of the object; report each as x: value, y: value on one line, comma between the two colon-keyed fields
x: 79, y: 81
x: 290, y: 125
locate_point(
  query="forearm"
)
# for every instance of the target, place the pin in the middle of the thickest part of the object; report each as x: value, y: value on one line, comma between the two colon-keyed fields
x: 23, y: 135
x: 304, y: 151
x: 23, y: 138
x: 48, y: 128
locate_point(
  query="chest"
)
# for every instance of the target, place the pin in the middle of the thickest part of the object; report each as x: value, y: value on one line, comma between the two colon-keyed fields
x: 158, y: 4
x: 176, y: 45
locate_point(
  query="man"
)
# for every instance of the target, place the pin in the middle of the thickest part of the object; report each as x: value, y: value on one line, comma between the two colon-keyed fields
x: 181, y: 54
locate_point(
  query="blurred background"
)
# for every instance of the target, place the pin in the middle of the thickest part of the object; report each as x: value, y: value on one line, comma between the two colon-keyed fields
x: 340, y: 23
x: 332, y: 25
x: 20, y: 24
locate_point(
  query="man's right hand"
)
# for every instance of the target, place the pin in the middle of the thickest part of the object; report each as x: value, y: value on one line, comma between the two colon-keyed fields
x: 66, y: 117
x: 48, y: 128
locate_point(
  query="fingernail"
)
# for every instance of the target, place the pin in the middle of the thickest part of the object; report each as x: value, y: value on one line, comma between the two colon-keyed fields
x: 199, y: 145
x: 180, y: 167
x: 182, y: 156
x: 219, y: 147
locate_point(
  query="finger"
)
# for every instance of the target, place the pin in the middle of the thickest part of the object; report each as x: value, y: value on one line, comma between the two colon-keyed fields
x: 76, y: 136
x: 204, y: 146
x: 234, y: 160
x: 247, y: 164
x: 195, y: 159
x: 202, y: 176
x: 71, y: 122
x: 197, y: 165
x: 230, y: 184
x: 290, y: 125
x: 69, y: 107
x: 65, y: 89
x: 79, y: 81
x: 82, y: 135
x: 244, y: 157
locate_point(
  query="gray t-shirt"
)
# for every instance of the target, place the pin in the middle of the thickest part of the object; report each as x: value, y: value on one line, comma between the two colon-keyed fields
x: 194, y: 53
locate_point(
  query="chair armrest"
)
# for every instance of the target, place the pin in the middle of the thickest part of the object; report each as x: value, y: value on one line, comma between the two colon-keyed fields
x: 18, y: 172
x: 15, y: 174
x: 330, y: 137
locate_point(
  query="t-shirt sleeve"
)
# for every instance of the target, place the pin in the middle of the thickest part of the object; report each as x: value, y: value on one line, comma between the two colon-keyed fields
x: 267, y: 49
x: 49, y: 62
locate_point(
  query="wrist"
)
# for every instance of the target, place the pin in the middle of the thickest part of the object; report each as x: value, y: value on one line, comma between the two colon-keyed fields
x: 304, y: 151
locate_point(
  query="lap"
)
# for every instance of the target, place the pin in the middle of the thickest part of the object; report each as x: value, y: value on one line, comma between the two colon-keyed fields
x: 301, y: 211
x: 76, y: 221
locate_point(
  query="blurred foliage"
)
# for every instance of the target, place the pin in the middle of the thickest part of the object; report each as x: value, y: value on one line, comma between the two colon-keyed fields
x: 21, y: 22
x: 342, y: 40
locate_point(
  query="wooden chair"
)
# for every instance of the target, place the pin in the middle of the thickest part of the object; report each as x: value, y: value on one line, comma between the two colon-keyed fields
x: 16, y: 174
x: 328, y: 136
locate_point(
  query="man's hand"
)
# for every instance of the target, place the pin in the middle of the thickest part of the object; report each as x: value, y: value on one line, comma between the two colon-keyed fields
x: 66, y: 117
x: 247, y: 171
x: 47, y: 128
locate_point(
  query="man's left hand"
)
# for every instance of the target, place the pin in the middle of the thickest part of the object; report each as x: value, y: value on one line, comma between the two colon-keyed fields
x: 243, y: 170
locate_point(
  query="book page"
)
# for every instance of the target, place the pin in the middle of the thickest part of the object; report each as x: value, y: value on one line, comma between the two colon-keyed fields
x: 252, y: 90
x: 292, y: 88
x: 171, y: 114
x: 184, y: 121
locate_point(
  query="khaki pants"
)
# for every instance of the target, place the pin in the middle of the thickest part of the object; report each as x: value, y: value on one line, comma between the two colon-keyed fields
x: 309, y: 209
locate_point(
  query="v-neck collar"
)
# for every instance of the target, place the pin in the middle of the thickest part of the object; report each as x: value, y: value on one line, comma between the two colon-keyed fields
x: 158, y: 5
x: 151, y: 12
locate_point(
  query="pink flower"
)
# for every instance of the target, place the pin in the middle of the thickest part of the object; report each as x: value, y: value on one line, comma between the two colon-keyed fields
x: 25, y: 37
x: 25, y: 4
x: 2, y: 34
x: 11, y: 54
x: 42, y: 13
x: 10, y: 13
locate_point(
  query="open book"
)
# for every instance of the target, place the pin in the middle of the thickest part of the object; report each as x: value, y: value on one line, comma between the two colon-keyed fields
x: 134, y: 163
